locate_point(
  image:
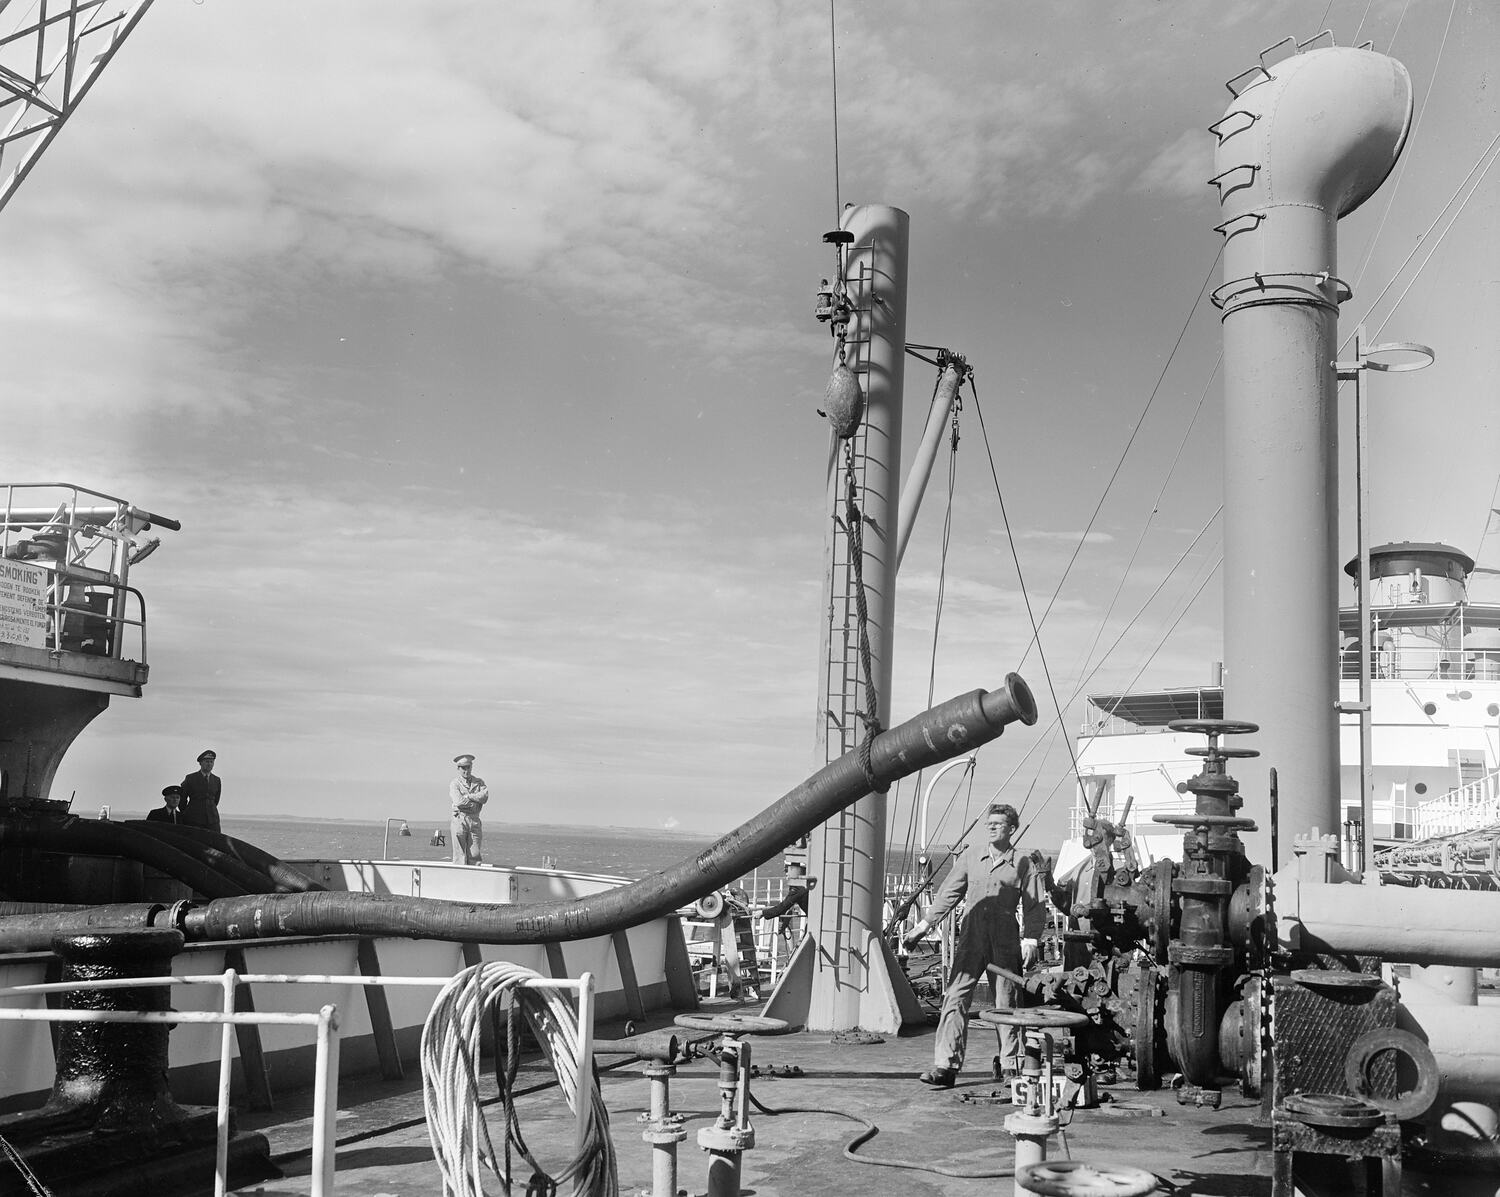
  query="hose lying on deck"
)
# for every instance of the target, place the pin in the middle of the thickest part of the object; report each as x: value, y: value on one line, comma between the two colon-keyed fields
x: 936, y: 735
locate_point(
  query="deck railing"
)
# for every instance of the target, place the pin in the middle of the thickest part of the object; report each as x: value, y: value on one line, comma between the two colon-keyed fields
x: 1464, y: 809
x: 325, y: 1023
x: 80, y: 545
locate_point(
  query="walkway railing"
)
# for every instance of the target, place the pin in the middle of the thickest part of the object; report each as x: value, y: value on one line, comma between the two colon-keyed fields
x: 1474, y: 805
x: 325, y: 1024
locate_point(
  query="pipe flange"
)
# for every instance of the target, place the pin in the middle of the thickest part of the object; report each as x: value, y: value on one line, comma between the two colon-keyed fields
x: 1078, y: 1178
x: 1188, y: 954
x: 1035, y: 1125
x: 1332, y: 978
x: 726, y: 1138
x: 1364, y: 1050
x: 734, y: 1024
x: 1334, y: 1111
x: 1203, y: 887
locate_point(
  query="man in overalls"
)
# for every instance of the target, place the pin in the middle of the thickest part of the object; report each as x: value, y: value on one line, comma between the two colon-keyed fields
x: 995, y: 880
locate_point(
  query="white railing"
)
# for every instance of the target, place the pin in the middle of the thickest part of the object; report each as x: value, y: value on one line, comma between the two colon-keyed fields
x: 1465, y: 809
x: 325, y: 1022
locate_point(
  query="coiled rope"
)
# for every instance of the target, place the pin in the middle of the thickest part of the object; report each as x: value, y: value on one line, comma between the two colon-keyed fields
x: 450, y: 1084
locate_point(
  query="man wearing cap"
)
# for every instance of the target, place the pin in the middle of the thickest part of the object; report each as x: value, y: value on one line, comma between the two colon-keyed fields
x: 467, y: 795
x: 200, y: 793
x: 171, y: 797
x: 994, y: 880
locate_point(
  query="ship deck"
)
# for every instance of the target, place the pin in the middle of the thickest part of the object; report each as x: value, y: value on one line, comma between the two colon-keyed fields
x: 950, y: 1141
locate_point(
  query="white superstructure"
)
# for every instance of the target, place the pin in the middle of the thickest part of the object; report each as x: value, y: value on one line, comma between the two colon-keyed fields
x: 1435, y: 699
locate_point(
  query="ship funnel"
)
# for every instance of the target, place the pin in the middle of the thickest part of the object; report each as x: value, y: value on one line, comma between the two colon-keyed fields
x: 1305, y: 141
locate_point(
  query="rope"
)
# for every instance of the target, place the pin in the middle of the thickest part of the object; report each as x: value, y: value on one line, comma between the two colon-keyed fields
x: 870, y: 716
x: 460, y: 1136
x: 37, y: 1188
x: 833, y: 61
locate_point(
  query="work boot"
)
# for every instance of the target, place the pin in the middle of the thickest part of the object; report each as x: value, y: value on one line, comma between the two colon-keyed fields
x: 938, y: 1078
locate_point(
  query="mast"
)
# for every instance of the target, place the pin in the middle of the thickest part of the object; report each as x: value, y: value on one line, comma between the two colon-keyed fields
x: 843, y: 975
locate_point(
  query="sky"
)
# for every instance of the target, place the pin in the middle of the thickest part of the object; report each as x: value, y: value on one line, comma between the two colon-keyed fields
x: 473, y: 347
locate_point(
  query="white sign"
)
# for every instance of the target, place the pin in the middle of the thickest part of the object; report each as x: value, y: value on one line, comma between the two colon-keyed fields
x: 23, y: 604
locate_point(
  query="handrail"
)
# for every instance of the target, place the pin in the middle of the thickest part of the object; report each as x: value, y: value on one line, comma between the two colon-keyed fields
x: 326, y: 1020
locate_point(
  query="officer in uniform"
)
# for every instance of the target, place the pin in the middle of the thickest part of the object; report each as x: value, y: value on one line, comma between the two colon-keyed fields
x: 168, y: 811
x: 467, y: 794
x: 200, y: 793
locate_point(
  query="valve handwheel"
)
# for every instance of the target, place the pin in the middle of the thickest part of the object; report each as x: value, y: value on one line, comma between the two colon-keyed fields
x: 1078, y: 1178
x: 734, y: 1024
x: 1038, y: 1018
x: 1213, y: 727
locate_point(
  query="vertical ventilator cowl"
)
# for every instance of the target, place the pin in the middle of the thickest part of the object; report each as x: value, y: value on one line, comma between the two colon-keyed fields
x: 1305, y: 141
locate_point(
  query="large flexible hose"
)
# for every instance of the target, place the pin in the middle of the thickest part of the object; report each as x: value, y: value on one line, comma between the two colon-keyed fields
x: 233, y: 857
x: 953, y: 727
x: 35, y: 932
x: 99, y: 838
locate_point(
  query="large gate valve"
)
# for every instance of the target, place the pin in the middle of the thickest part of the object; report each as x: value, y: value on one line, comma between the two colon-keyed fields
x: 1202, y: 957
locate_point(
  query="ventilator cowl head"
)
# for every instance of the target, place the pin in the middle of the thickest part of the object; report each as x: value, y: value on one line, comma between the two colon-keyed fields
x: 844, y: 403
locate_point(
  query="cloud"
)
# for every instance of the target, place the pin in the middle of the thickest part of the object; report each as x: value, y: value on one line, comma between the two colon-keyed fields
x: 1181, y: 168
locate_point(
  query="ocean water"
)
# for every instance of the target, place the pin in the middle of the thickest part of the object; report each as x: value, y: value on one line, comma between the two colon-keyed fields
x: 614, y: 851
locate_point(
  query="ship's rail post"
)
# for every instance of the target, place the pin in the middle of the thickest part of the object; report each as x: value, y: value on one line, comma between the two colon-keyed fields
x: 322, y: 1133
x: 325, y: 1023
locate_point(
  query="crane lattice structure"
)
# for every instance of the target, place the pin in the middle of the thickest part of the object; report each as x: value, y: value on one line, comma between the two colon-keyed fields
x: 48, y: 62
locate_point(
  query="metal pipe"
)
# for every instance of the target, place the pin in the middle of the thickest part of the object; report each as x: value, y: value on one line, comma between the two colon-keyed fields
x: 1304, y: 145
x: 325, y: 1103
x: 1413, y: 926
x: 968, y: 762
x: 938, y: 416
x: 1466, y: 1043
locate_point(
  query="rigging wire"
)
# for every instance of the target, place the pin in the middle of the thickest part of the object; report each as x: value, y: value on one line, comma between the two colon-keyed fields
x: 1395, y: 187
x: 1181, y: 615
x: 1443, y: 235
x: 1166, y: 577
x: 1155, y: 510
x: 1364, y: 16
x: 1214, y: 566
x: 833, y: 56
x: 1124, y: 453
x: 1036, y: 631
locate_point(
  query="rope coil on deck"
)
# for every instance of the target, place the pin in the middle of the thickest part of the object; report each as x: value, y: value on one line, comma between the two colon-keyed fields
x: 450, y: 1083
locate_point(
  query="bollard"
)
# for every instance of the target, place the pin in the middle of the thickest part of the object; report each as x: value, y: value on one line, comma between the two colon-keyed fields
x: 116, y: 1073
